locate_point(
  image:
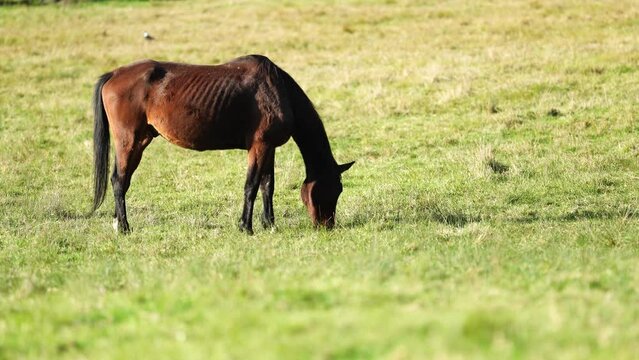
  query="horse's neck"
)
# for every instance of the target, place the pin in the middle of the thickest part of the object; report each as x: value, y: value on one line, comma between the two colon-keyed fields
x: 311, y: 139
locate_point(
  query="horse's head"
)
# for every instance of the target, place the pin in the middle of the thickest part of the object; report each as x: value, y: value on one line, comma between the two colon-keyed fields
x: 320, y: 196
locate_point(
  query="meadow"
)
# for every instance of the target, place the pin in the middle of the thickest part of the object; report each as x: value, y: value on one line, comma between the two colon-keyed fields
x: 493, y: 211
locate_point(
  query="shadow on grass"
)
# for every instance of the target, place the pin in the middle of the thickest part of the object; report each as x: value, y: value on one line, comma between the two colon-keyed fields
x: 453, y: 217
x: 391, y: 210
x: 388, y: 216
x: 579, y: 214
x: 420, y: 210
x: 67, y: 214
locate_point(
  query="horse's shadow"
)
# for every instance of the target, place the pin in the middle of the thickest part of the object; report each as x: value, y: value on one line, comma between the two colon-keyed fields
x: 70, y: 214
x: 447, y: 214
x: 441, y: 213
x: 578, y: 215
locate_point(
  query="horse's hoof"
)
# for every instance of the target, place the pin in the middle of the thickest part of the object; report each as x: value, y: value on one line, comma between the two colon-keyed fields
x: 121, y: 228
x: 246, y: 229
x: 267, y: 223
x: 269, y: 227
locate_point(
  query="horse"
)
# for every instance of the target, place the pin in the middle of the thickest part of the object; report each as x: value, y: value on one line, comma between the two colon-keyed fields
x: 249, y: 103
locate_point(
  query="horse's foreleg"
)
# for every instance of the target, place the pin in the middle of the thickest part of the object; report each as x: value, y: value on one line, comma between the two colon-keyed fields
x: 128, y: 153
x: 267, y: 187
x: 257, y: 159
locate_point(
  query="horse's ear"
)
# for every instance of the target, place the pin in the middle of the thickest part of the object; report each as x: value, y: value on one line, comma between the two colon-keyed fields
x: 345, y: 167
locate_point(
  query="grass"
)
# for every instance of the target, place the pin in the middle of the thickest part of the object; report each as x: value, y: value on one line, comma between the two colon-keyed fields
x: 492, y: 212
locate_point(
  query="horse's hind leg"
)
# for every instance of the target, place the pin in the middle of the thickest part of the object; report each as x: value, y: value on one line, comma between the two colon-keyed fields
x: 128, y: 153
x: 267, y: 187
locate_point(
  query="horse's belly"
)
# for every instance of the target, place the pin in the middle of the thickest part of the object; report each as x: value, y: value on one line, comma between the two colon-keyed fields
x: 199, y: 131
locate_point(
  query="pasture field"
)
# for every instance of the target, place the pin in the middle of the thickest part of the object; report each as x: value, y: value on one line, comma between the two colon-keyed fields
x: 493, y: 211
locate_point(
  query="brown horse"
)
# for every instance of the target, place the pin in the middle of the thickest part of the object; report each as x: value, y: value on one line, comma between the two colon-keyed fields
x: 249, y: 103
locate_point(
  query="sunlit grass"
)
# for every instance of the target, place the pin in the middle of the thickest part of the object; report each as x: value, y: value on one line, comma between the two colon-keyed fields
x: 492, y: 211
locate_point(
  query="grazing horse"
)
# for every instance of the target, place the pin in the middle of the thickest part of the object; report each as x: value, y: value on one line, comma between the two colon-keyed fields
x: 249, y: 103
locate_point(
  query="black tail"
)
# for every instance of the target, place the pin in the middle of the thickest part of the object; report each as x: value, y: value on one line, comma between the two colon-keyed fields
x: 100, y: 143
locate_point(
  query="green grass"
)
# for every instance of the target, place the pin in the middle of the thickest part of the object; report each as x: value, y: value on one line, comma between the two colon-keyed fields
x: 493, y: 211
